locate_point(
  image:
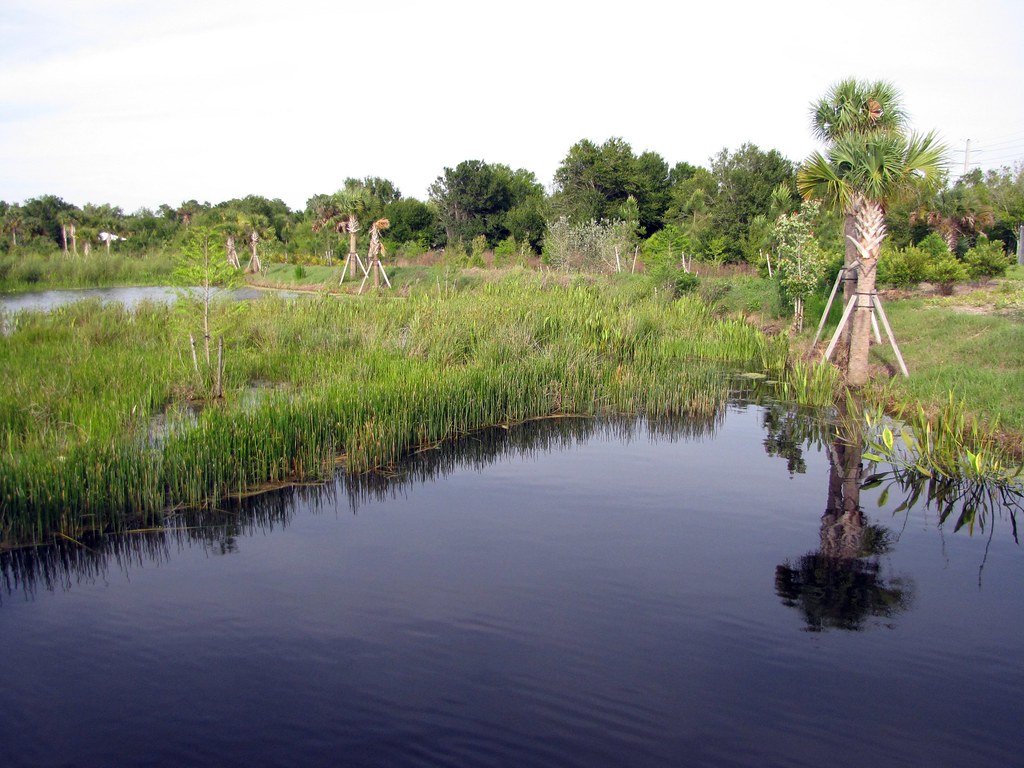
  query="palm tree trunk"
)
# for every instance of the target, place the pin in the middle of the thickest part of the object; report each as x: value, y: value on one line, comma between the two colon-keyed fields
x: 849, y: 284
x: 353, y: 226
x: 870, y: 226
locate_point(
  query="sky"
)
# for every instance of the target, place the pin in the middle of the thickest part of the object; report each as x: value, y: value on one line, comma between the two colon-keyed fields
x: 138, y: 103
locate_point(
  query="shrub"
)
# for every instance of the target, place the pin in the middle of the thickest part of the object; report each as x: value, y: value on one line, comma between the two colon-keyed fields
x: 455, y: 253
x: 987, y: 259
x: 947, y: 271
x: 934, y: 246
x: 476, y: 256
x: 672, y: 278
x: 592, y: 246
x: 903, y: 267
x: 410, y: 249
x: 508, y: 251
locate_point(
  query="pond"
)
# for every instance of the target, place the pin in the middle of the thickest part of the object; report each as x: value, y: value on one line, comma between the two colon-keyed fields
x: 131, y: 297
x: 564, y: 593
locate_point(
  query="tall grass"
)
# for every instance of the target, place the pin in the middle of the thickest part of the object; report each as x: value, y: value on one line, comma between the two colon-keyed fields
x: 25, y: 270
x: 359, y: 381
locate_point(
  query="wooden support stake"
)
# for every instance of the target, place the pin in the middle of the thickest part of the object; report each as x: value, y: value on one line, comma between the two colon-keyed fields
x: 892, y: 339
x: 828, y: 306
x: 839, y: 328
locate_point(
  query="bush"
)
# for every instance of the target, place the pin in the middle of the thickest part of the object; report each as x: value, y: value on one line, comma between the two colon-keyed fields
x: 455, y: 254
x: 903, y: 267
x: 934, y: 246
x: 479, y: 246
x: 508, y: 251
x: 592, y: 246
x: 987, y: 259
x: 947, y: 271
x: 674, y: 279
x: 410, y: 249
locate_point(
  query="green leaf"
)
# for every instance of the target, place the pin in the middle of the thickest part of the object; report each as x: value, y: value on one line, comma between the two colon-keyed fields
x: 873, y: 481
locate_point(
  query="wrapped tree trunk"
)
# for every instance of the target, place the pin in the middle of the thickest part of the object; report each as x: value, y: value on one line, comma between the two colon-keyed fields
x: 870, y: 226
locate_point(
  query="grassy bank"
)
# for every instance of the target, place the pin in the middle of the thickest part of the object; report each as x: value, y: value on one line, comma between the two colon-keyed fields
x: 95, y: 434
x: 33, y: 271
x: 970, y: 344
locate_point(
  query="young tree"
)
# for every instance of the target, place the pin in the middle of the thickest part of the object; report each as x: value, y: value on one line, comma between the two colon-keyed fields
x: 799, y: 259
x: 854, y: 107
x: 203, y: 266
x: 341, y: 211
x: 860, y: 175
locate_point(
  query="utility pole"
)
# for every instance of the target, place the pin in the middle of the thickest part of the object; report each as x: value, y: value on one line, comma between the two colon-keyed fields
x: 967, y: 155
x: 1020, y: 244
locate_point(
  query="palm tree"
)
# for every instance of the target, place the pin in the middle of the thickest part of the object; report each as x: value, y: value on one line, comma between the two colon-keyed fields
x: 862, y: 173
x: 187, y: 211
x: 13, y: 221
x: 64, y: 219
x: 376, y: 250
x: 852, y: 106
x: 859, y: 108
x: 255, y: 226
x: 955, y: 216
x: 342, y: 210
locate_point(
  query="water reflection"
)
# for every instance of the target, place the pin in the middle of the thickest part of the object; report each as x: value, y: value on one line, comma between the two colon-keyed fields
x: 129, y: 297
x: 842, y: 584
x: 66, y: 562
x: 790, y: 431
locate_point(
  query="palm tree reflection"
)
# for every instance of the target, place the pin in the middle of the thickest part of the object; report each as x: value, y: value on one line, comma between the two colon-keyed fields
x: 842, y: 586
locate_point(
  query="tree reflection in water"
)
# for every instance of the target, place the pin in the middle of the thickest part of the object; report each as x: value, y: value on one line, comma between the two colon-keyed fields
x: 65, y: 562
x: 842, y: 585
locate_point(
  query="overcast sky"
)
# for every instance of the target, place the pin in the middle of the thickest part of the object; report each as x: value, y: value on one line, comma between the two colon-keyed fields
x: 138, y: 103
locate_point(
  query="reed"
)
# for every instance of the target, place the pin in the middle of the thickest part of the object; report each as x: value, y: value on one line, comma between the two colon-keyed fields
x: 93, y: 435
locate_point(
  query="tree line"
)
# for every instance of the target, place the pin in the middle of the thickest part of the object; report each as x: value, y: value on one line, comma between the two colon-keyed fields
x: 725, y: 211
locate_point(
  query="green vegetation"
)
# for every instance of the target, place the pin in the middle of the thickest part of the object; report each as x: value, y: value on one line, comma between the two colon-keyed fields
x: 974, y: 351
x: 37, y: 270
x: 99, y: 432
x: 110, y: 413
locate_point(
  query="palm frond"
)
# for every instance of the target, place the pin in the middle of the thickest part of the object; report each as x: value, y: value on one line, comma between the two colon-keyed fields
x: 818, y: 178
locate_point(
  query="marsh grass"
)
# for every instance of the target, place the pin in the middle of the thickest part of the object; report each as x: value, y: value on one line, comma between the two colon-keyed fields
x: 29, y: 270
x: 352, y: 381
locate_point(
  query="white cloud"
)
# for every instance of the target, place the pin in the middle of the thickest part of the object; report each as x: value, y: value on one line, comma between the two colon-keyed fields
x: 138, y: 103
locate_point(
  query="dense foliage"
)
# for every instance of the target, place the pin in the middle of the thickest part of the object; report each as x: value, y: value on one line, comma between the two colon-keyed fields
x: 723, y: 212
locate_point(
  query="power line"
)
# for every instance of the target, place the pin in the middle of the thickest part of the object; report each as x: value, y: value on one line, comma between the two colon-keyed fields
x: 1015, y: 140
x: 1014, y: 133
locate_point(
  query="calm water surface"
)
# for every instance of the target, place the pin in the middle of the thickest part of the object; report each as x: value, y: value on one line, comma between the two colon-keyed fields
x: 618, y: 595
x: 131, y: 297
